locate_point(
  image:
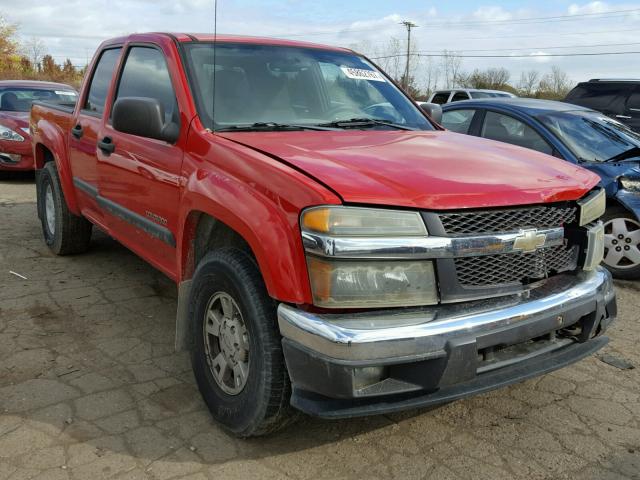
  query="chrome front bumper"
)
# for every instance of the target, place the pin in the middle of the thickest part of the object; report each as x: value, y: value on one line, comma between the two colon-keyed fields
x: 426, y: 349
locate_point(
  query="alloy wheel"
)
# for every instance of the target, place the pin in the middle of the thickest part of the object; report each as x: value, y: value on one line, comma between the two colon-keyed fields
x: 226, y: 343
x: 621, y: 242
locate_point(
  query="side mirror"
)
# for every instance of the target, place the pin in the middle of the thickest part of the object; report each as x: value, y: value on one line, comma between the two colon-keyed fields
x: 143, y: 117
x: 433, y: 110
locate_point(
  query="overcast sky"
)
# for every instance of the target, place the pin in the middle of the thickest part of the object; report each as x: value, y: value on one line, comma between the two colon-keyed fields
x: 74, y: 28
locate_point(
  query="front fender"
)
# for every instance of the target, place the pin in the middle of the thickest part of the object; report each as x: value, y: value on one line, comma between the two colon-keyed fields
x: 629, y: 200
x: 260, y: 199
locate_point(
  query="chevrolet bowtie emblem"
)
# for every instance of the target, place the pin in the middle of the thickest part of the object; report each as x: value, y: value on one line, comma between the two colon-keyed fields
x: 529, y: 240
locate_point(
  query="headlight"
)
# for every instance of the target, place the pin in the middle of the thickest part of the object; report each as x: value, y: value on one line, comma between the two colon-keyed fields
x: 631, y: 184
x: 366, y: 282
x: 592, y: 207
x: 8, y: 134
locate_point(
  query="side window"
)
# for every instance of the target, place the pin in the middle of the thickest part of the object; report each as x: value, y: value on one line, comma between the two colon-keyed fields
x: 460, y: 96
x: 440, y: 98
x: 458, y: 121
x: 505, y: 128
x: 145, y: 74
x: 633, y: 103
x: 101, y: 80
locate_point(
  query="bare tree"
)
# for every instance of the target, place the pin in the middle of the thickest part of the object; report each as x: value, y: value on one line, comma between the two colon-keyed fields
x: 528, y: 84
x: 431, y: 75
x: 554, y: 85
x: 35, y: 49
x: 451, y: 65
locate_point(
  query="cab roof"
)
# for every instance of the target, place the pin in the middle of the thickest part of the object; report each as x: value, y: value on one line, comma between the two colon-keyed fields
x: 225, y: 38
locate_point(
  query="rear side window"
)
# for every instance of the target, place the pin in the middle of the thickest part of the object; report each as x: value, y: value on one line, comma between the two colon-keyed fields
x: 145, y: 74
x: 458, y: 121
x: 600, y: 96
x: 505, y: 128
x: 440, y: 98
x: 101, y: 80
x: 634, y: 100
x: 460, y: 96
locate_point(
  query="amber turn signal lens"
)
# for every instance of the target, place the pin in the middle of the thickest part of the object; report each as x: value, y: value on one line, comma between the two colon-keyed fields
x: 316, y: 220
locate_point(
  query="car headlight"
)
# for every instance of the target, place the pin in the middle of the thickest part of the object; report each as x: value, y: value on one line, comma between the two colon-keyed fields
x: 8, y: 134
x: 592, y: 207
x: 631, y: 184
x: 362, y: 282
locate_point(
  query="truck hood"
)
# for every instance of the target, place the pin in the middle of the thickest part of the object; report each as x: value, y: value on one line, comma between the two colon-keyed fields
x: 431, y: 170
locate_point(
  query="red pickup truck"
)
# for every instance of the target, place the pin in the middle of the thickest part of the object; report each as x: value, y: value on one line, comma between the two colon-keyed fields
x: 335, y: 250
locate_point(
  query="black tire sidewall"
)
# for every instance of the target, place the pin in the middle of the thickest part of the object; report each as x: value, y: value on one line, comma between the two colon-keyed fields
x: 48, y: 177
x: 243, y: 412
x: 625, y: 273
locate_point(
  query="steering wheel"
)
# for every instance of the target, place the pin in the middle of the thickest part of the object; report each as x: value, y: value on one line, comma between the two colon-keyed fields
x: 349, y: 113
x: 384, y: 112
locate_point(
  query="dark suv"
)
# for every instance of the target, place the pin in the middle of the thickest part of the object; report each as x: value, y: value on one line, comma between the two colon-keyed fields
x: 617, y: 98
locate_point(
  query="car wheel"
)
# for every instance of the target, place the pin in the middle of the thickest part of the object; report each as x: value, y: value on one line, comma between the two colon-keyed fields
x: 621, y: 243
x: 236, y: 353
x: 64, y: 232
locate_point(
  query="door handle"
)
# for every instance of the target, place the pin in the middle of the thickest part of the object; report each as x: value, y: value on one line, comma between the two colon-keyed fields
x: 106, y: 145
x: 634, y: 109
x: 77, y: 131
x: 624, y: 117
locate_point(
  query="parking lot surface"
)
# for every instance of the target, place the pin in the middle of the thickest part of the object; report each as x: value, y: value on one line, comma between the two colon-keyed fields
x: 91, y: 388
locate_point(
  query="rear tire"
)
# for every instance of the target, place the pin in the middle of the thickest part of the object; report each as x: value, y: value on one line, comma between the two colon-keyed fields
x: 64, y: 233
x: 237, y: 354
x: 622, y: 243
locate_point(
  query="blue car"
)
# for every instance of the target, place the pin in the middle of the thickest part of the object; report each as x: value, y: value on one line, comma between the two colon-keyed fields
x: 578, y: 135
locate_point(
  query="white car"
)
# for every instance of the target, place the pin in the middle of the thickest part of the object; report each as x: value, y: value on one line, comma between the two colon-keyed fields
x: 447, y: 96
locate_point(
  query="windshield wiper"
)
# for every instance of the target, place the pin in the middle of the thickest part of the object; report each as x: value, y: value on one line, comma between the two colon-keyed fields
x: 631, y: 153
x: 270, y: 127
x: 364, y: 122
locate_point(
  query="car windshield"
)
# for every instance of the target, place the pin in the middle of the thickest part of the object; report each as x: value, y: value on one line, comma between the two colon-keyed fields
x: 591, y: 136
x: 16, y: 99
x: 278, y: 86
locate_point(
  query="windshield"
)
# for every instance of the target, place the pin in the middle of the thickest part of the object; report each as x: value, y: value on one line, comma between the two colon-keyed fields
x: 591, y: 136
x: 257, y: 84
x: 20, y: 99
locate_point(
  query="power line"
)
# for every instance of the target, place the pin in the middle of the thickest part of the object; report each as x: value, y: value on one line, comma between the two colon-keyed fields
x: 531, y: 48
x: 535, y: 55
x: 455, y: 24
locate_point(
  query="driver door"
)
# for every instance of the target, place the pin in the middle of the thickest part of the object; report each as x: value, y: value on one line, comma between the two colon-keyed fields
x: 140, y: 177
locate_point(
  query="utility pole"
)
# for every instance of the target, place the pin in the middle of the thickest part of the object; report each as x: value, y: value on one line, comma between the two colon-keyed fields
x: 409, y: 25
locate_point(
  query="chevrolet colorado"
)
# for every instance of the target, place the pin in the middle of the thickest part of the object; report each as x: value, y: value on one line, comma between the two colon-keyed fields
x: 335, y: 250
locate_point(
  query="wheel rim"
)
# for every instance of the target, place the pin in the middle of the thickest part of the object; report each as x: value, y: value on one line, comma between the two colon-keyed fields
x: 621, y: 239
x: 226, y: 343
x: 50, y: 209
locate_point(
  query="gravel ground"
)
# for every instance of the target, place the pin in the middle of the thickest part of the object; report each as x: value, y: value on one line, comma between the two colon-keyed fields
x: 90, y: 387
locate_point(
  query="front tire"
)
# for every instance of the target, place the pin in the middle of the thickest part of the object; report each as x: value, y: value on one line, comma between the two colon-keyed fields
x: 64, y: 233
x: 622, y: 243
x: 237, y: 354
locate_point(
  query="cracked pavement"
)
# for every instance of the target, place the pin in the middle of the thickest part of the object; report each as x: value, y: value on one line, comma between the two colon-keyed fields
x: 90, y: 387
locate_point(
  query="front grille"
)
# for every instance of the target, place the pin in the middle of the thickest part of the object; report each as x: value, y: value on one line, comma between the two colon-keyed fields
x: 494, y: 270
x: 505, y: 220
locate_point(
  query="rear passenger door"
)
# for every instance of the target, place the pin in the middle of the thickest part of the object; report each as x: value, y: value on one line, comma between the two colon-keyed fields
x: 140, y: 177
x: 508, y: 129
x: 83, y: 138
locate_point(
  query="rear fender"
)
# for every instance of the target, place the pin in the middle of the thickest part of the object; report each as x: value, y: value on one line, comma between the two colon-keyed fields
x: 49, y: 136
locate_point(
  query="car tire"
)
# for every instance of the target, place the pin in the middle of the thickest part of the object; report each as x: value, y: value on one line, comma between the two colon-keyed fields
x: 242, y: 336
x: 622, y: 243
x: 64, y: 232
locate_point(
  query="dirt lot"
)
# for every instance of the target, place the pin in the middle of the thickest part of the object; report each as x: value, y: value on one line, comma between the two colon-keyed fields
x: 90, y: 388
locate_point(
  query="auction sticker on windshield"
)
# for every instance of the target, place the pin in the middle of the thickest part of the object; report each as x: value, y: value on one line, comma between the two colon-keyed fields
x: 362, y: 74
